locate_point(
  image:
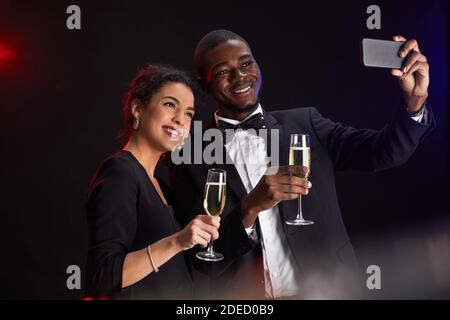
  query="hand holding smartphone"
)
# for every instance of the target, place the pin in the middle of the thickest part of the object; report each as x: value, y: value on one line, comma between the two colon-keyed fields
x: 407, y: 64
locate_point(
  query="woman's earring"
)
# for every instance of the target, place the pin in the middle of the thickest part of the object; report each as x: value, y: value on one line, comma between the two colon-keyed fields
x: 136, y: 124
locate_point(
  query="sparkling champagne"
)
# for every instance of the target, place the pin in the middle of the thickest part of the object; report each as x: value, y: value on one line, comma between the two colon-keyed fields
x: 300, y: 156
x: 215, y: 195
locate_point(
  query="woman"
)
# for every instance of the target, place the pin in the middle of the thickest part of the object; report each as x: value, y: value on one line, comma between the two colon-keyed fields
x: 135, y: 244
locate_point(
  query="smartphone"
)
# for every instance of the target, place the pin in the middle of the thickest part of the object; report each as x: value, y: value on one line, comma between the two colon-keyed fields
x: 382, y: 53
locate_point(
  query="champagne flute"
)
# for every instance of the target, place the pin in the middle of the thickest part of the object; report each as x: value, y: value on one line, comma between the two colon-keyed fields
x: 213, y: 203
x: 300, y: 155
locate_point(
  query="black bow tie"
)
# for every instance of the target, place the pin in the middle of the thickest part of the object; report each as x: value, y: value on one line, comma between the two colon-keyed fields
x: 254, y: 122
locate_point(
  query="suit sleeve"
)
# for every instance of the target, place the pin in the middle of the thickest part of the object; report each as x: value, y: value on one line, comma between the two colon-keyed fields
x: 372, y: 150
x: 111, y: 217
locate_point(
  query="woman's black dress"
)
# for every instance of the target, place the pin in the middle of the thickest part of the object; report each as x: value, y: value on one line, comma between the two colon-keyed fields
x: 125, y: 213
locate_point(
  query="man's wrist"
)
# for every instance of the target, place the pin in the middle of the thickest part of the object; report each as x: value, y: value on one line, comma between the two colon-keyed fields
x: 248, y: 214
x: 415, y: 104
x: 418, y: 113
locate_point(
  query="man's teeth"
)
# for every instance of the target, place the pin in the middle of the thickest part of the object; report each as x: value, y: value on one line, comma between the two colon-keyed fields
x: 242, y: 90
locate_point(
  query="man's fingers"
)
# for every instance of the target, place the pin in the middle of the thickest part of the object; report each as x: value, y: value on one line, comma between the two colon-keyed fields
x: 401, y: 52
x: 397, y: 73
x: 287, y: 196
x: 294, y: 180
x: 418, y: 66
x: 412, y: 59
x: 304, y: 170
x: 283, y: 170
x: 398, y: 38
x: 408, y: 46
x: 286, y: 188
x: 287, y: 170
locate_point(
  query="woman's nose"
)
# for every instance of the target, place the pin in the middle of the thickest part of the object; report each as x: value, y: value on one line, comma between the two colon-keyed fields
x: 177, y: 118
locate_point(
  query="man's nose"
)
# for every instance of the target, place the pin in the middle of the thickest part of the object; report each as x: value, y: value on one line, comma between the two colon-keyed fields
x: 237, y: 75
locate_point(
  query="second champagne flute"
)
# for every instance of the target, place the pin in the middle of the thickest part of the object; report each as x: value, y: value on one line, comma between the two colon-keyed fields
x: 214, y: 203
x: 300, y: 155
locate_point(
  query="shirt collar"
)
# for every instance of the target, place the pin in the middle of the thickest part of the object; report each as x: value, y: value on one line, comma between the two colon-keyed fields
x: 236, y: 122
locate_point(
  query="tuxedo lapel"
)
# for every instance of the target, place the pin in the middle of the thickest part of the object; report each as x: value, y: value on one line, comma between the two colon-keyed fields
x: 283, y: 149
x: 283, y: 136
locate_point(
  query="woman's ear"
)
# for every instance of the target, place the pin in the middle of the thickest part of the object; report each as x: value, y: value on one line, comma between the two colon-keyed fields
x: 136, y: 108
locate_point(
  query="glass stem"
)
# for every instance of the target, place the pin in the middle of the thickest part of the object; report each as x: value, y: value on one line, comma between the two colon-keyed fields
x: 300, y: 213
x: 210, y: 249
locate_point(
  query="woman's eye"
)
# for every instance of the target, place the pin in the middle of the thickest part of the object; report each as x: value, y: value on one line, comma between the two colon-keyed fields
x: 190, y: 115
x: 170, y: 105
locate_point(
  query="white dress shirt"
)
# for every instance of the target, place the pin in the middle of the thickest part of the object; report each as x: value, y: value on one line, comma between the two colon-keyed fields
x: 248, y: 152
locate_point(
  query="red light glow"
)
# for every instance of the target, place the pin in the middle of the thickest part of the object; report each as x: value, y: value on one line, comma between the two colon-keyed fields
x: 5, y: 53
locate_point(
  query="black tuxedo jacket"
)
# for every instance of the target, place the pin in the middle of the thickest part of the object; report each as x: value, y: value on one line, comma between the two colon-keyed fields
x: 322, y: 251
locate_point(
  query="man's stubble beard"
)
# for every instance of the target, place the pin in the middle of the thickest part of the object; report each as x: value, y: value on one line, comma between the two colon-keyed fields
x: 248, y: 109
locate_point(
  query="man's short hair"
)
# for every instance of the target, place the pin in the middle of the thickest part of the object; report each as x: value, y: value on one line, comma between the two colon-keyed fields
x: 209, y: 42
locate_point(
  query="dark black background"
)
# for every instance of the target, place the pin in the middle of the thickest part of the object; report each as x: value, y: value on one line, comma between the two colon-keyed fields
x: 61, y: 91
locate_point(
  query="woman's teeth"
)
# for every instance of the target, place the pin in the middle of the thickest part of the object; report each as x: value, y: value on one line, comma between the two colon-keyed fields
x: 173, y: 133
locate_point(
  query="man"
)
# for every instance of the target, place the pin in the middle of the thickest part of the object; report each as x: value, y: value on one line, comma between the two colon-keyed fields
x: 265, y: 257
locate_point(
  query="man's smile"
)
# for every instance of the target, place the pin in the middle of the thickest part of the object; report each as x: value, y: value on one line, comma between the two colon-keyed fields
x: 242, y: 89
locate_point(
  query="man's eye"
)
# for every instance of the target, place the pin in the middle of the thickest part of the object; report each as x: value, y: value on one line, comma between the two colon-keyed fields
x: 190, y: 115
x: 170, y: 105
x: 222, y: 73
x: 246, y: 64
